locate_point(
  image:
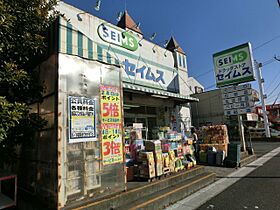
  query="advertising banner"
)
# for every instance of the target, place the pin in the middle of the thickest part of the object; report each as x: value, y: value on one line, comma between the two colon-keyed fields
x: 82, y: 117
x: 234, y: 65
x: 112, y: 148
x: 110, y: 104
x: 111, y: 125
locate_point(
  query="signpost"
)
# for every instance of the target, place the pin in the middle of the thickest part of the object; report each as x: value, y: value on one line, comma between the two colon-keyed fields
x: 232, y: 67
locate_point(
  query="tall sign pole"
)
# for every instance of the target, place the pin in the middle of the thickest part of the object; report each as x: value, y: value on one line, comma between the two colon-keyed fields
x: 232, y: 67
x: 260, y: 81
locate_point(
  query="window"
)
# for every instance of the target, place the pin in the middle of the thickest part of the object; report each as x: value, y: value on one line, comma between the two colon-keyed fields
x: 180, y: 60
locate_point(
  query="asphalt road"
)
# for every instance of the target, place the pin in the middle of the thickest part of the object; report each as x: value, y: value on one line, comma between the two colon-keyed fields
x: 258, y: 190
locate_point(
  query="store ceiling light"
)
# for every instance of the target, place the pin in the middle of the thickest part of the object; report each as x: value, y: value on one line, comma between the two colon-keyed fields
x: 119, y: 16
x: 131, y: 105
x: 97, y: 5
x: 79, y: 16
x: 153, y: 36
x: 159, y: 96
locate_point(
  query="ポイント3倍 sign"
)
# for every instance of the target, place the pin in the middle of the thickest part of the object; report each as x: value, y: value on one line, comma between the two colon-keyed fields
x: 234, y: 65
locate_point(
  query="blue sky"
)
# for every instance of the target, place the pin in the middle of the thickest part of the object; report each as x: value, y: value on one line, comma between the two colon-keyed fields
x: 206, y: 27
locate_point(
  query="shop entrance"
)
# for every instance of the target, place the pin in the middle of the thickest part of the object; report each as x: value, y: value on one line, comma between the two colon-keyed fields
x: 148, y: 123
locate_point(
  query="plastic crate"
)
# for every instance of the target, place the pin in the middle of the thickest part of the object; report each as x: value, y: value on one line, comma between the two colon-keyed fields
x: 234, y: 152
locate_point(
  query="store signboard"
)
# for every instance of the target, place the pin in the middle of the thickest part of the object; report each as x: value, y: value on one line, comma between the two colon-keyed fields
x: 234, y: 65
x: 237, y: 94
x: 82, y: 119
x: 111, y: 125
x: 238, y: 111
x: 236, y: 88
x: 237, y: 99
x: 239, y: 105
x: 140, y: 73
x: 115, y: 36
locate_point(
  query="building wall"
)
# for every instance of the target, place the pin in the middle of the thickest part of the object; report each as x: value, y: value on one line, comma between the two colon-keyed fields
x: 81, y: 172
x: 209, y: 109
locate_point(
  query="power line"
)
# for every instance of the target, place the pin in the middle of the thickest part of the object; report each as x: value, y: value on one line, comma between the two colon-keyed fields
x: 261, y: 45
x: 264, y: 64
x: 272, y: 82
x: 265, y: 43
x: 211, y: 70
x: 274, y: 89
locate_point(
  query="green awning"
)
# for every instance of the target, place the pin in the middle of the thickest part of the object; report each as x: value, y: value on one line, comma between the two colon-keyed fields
x: 153, y: 91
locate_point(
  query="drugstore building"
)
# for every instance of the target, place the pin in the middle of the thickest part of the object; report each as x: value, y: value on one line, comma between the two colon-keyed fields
x: 100, y: 78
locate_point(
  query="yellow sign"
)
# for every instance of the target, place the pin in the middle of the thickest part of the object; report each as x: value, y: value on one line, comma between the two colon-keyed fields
x: 111, y: 125
x: 112, y: 147
x: 110, y: 104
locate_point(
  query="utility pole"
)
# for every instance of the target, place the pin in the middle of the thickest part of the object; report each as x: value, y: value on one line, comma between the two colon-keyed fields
x: 261, y: 81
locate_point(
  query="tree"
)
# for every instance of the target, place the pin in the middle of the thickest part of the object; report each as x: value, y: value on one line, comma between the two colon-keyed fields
x: 23, y: 26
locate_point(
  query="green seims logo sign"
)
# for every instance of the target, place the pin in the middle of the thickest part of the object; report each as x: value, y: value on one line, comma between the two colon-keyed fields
x: 230, y: 59
x: 123, y: 39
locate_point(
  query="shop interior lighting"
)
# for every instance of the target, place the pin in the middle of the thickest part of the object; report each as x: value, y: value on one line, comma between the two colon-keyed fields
x: 131, y: 105
x: 97, y: 5
x: 119, y: 16
x: 159, y: 96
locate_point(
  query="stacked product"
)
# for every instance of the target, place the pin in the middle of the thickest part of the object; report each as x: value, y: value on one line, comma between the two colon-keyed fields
x: 215, y: 143
x: 146, y: 165
x: 166, y: 163
x: 172, y: 159
x: 155, y: 148
x: 153, y: 158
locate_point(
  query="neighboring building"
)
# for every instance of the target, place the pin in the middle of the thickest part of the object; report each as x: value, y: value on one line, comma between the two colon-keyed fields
x: 273, y: 114
x: 209, y: 110
x: 99, y: 77
x: 194, y: 86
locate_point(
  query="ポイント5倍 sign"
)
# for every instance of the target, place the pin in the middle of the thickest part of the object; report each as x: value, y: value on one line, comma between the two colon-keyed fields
x: 110, y: 104
x: 234, y: 65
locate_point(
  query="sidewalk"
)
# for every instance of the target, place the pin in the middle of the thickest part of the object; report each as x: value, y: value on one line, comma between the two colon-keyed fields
x: 264, y: 151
